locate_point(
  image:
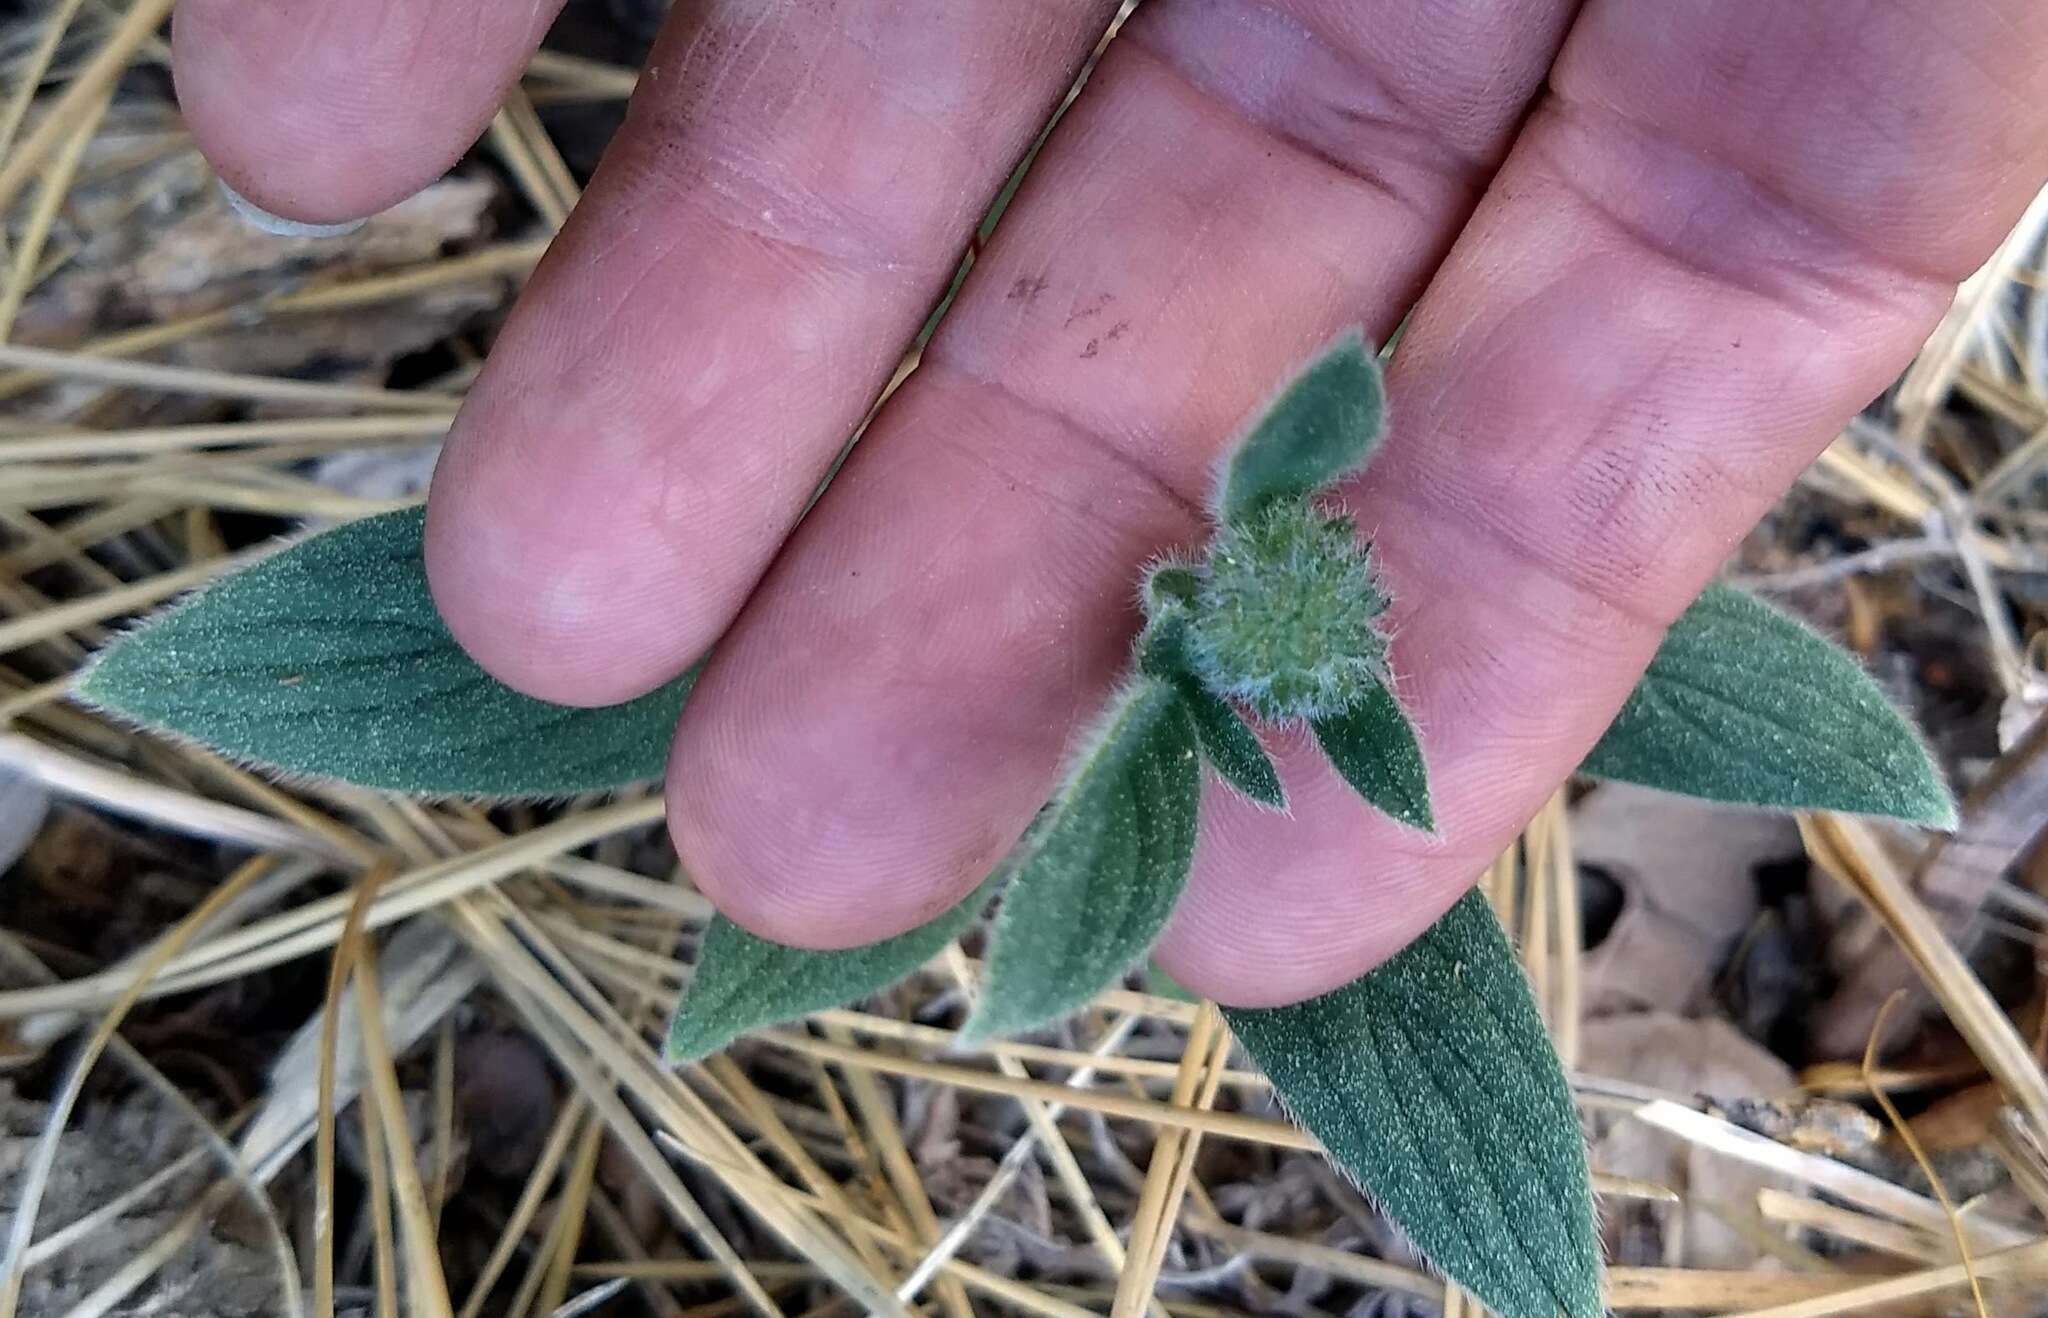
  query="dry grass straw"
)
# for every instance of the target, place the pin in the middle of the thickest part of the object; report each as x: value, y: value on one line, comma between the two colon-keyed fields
x: 317, y: 925
x: 1846, y: 1224
x: 571, y: 1014
x: 378, y: 1181
x: 588, y: 77
x: 1863, y: 1190
x: 109, y: 1213
x: 427, y: 1291
x: 1173, y: 1161
x: 1229, y: 1125
x: 218, y: 384
x: 876, y: 1110
x: 80, y: 96
x: 56, y: 183
x: 511, y: 259
x: 596, y: 1081
x: 568, y: 1122
x: 2024, y: 1262
x: 1044, y: 1134
x: 28, y: 77
x: 446, y: 906
x: 1920, y: 1158
x: 1934, y: 374
x: 2023, y: 1157
x: 531, y: 156
x: 36, y: 1175
x: 164, y: 807
x: 444, y: 1121
x: 75, y: 614
x: 213, y: 1141
x: 348, y: 947
x: 1846, y: 849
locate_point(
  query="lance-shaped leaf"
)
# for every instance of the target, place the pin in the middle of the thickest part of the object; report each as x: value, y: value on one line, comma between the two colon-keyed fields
x: 1432, y: 1084
x: 1227, y: 742
x: 744, y: 982
x: 1100, y: 871
x: 328, y: 660
x: 1374, y: 747
x: 1746, y: 704
x: 1323, y: 426
x: 1232, y: 749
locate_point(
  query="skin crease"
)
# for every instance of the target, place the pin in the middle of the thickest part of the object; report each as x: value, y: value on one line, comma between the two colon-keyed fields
x: 1668, y: 251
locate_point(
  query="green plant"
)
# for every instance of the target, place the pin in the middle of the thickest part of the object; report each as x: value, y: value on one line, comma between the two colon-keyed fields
x: 1430, y: 1080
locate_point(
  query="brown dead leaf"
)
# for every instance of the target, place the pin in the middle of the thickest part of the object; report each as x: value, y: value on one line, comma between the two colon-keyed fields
x: 1685, y: 869
x: 1690, y: 1057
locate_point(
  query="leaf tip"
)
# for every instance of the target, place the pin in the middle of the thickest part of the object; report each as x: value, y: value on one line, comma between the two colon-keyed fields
x: 694, y: 1033
x: 117, y: 672
x: 1324, y: 425
x: 1930, y: 803
x: 1376, y: 749
x: 1418, y: 815
x: 688, y: 1042
x: 1925, y: 797
x: 1266, y: 795
x: 1414, y: 809
x: 1746, y: 703
x: 1168, y: 584
x: 984, y: 1023
x: 89, y: 687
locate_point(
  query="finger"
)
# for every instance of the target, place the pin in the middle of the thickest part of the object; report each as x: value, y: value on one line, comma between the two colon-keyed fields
x: 329, y: 110
x: 1727, y: 229
x: 884, y: 719
x: 786, y: 202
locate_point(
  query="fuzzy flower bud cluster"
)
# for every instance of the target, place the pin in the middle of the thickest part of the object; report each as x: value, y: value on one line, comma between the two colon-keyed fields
x: 1285, y: 616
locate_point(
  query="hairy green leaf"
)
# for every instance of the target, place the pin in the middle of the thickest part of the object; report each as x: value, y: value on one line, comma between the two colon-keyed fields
x: 1232, y: 749
x: 1746, y: 704
x: 1170, y: 586
x: 744, y: 982
x: 1374, y: 747
x: 328, y: 660
x: 1228, y: 744
x: 1430, y: 1081
x: 1097, y: 877
x: 1323, y: 426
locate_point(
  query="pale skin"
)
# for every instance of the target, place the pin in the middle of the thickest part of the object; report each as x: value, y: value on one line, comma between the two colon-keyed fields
x: 1662, y: 252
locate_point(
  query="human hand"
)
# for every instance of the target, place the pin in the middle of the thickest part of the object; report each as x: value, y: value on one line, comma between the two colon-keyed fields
x: 1690, y: 241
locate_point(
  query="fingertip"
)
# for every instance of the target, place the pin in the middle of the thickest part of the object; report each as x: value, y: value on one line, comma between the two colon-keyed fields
x: 325, y: 111
x: 1240, y: 958
x: 816, y: 849
x: 1281, y: 908
x: 534, y: 594
x: 824, y: 904
x: 269, y: 130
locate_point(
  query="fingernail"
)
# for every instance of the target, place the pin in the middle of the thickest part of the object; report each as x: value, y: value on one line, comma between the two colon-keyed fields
x: 278, y: 224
